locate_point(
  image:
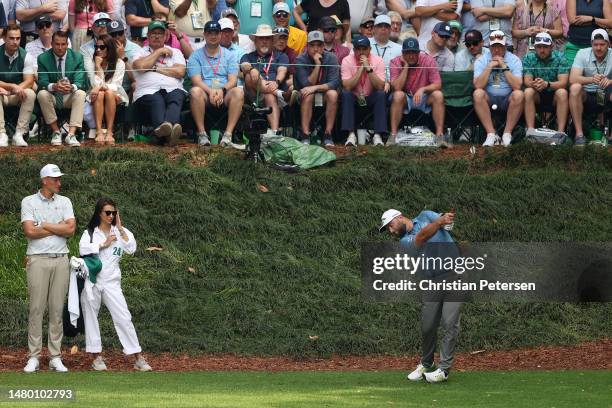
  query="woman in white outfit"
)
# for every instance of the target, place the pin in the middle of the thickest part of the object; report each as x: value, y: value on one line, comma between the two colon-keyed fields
x: 107, y: 237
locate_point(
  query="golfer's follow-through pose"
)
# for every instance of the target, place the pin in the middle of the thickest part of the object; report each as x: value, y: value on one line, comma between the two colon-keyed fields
x: 428, y: 228
x: 109, y: 239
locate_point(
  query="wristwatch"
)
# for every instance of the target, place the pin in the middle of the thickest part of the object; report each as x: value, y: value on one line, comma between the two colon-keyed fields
x: 369, y: 71
x: 125, y: 59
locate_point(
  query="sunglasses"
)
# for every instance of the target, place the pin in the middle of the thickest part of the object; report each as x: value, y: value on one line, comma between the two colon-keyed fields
x: 282, y: 14
x: 101, y: 47
x: 368, y: 25
x: 497, y: 37
x: 471, y: 44
x: 330, y: 30
x: 46, y: 24
x: 101, y: 23
x: 117, y: 34
x: 109, y: 213
x: 544, y: 40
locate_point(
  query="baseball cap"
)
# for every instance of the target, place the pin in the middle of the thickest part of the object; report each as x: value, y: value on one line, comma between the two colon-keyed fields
x: 410, y: 44
x: 326, y: 23
x: 602, y: 32
x: 50, y: 170
x: 43, y: 18
x: 382, y: 19
x: 157, y: 24
x: 366, y: 19
x: 115, y: 27
x: 442, y: 29
x: 473, y: 36
x: 212, y: 26
x: 101, y: 16
x: 454, y: 24
x: 315, y: 35
x: 337, y: 20
x: 543, y: 39
x: 388, y: 216
x: 280, y: 7
x: 226, y: 23
x: 361, y: 41
x: 229, y: 12
x: 497, y: 37
x: 281, y: 31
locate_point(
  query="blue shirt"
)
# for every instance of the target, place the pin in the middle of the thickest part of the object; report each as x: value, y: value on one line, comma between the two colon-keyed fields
x: 141, y: 8
x: 216, y: 14
x: 263, y: 64
x: 497, y: 84
x: 203, y: 64
x: 421, y: 221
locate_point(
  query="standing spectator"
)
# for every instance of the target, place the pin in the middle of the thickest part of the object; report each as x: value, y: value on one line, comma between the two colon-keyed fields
x: 416, y: 82
x: 331, y: 44
x: 241, y: 40
x: 382, y: 46
x: 538, y: 16
x: 467, y: 18
x: 159, y: 84
x: 464, y: 60
x: 585, y: 16
x: 317, y: 9
x: 297, y: 37
x: 27, y: 11
x: 493, y: 15
x: 191, y: 16
x: 138, y: 15
x: 62, y: 83
x: 366, y: 27
x: 436, y: 47
x: 408, y: 24
x: 214, y: 74
x: 47, y: 219
x: 590, y: 80
x: 252, y: 13
x: 174, y: 37
x: 80, y: 18
x: 363, y: 82
x: 432, y: 12
x: 498, y: 77
x: 317, y: 76
x: 546, y: 74
x: 16, y: 85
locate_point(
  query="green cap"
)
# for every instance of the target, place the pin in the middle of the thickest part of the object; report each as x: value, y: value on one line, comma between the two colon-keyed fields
x: 455, y: 24
x: 157, y: 24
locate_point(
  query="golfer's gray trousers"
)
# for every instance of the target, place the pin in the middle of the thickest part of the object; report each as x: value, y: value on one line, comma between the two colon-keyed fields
x: 432, y: 314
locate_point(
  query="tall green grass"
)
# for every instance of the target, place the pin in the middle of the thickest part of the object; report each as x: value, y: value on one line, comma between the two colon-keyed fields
x: 251, y: 272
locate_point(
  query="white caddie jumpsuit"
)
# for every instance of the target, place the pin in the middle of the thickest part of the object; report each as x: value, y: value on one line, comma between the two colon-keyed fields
x: 107, y: 289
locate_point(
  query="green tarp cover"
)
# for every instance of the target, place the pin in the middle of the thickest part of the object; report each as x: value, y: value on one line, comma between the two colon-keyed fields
x: 286, y: 150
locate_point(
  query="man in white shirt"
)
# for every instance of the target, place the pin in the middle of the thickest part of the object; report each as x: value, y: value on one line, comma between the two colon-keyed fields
x: 382, y: 46
x: 28, y: 10
x: 433, y: 12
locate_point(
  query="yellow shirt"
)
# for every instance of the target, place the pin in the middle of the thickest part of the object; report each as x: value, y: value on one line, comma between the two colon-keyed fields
x: 185, y: 24
x: 297, y: 39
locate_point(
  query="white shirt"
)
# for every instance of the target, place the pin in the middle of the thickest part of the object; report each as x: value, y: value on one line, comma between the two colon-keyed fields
x: 149, y: 82
x: 30, y: 26
x: 34, y: 49
x: 428, y: 23
x: 28, y: 67
x: 110, y: 256
x: 387, y: 52
x: 246, y: 43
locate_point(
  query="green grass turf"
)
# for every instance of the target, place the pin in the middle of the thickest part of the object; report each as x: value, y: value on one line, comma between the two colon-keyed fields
x: 546, y: 389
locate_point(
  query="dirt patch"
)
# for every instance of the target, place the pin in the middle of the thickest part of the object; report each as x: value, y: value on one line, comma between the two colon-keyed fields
x: 584, y: 356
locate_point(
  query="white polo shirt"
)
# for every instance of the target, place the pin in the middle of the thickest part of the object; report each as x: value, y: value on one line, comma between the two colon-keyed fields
x: 149, y: 82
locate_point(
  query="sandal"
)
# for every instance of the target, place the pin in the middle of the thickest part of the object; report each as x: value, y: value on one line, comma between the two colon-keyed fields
x: 110, y: 140
x: 100, y: 136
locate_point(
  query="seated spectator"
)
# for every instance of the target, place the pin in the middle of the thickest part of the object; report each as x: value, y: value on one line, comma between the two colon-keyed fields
x: 493, y: 15
x: 585, y: 16
x: 106, y: 88
x: 214, y: 74
x: 340, y: 32
x: 297, y: 37
x: 454, y: 41
x: 252, y: 13
x: 498, y: 77
x: 98, y: 29
x: 159, y: 84
x: 382, y: 46
x: 241, y: 40
x: 174, y: 38
x: 464, y: 60
x: 16, y: 85
x: 138, y: 15
x: 62, y: 83
x: 316, y: 11
x: 436, y: 47
x: 329, y: 27
x: 281, y: 35
x: 404, y: 21
x: 27, y: 11
x: 590, y: 80
x: 363, y: 82
x: 432, y: 12
x: 546, y: 74
x: 538, y: 16
x: 317, y: 77
x: 190, y: 18
x: 80, y: 18
x: 366, y: 28
x: 227, y: 36
x: 126, y: 51
x: 264, y: 71
x: 416, y: 82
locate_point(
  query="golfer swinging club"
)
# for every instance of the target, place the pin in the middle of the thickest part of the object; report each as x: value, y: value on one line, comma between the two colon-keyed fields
x: 429, y: 227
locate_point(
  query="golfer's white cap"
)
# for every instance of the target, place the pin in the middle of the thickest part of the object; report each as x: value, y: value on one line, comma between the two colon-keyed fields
x: 602, y: 32
x: 50, y: 170
x: 226, y: 23
x: 387, y: 217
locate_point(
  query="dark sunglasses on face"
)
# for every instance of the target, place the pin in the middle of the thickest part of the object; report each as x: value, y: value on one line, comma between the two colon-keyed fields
x: 109, y: 213
x: 471, y: 44
x: 101, y: 47
x: 368, y: 25
x: 46, y: 24
x: 282, y: 14
x: 330, y: 30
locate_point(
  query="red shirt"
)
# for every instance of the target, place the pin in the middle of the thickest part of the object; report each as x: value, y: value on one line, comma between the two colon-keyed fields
x: 425, y: 73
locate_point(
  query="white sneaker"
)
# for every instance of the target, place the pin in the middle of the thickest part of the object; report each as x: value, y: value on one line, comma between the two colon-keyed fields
x: 226, y: 140
x: 436, y: 376
x: 351, y: 140
x: 377, y: 140
x: 91, y: 134
x: 32, y: 365
x: 34, y: 131
x: 507, y: 139
x: 55, y: 364
x: 99, y: 364
x: 203, y: 139
x: 391, y: 140
x: 3, y: 140
x: 56, y: 139
x: 281, y: 99
x: 417, y: 374
x: 492, y: 140
x: 142, y: 365
x: 71, y: 141
x: 18, y: 140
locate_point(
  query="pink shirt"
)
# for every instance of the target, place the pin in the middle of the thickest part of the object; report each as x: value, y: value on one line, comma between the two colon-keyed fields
x: 80, y: 18
x: 350, y: 66
x: 426, y: 72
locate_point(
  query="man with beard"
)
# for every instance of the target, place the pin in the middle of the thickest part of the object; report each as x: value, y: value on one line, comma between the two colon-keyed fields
x: 436, y: 47
x: 330, y: 27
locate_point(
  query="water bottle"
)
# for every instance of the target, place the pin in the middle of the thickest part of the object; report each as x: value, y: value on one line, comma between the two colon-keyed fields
x: 449, y: 137
x: 449, y: 227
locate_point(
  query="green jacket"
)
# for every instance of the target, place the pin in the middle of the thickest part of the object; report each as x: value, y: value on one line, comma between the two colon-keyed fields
x: 74, y: 69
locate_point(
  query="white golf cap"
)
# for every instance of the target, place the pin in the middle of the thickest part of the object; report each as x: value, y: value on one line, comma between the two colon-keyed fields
x: 101, y: 16
x: 602, y: 32
x: 281, y: 7
x: 387, y: 217
x: 497, y: 37
x: 543, y: 39
x: 382, y: 19
x: 50, y: 170
x: 226, y: 23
